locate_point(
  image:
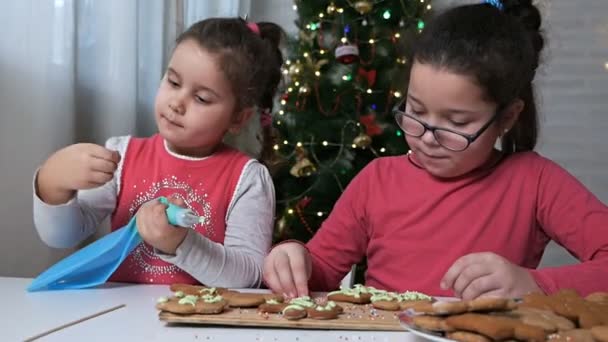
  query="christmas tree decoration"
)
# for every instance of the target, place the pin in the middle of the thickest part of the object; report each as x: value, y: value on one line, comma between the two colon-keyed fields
x: 331, y: 8
x: 362, y: 140
x: 347, y: 53
x: 372, y: 127
x: 363, y: 7
x: 303, y: 168
x: 347, y: 69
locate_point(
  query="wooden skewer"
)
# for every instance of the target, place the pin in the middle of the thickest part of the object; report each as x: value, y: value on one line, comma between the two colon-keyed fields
x: 80, y: 320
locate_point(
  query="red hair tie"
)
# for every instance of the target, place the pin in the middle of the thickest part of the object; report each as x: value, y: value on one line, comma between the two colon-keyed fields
x: 254, y: 28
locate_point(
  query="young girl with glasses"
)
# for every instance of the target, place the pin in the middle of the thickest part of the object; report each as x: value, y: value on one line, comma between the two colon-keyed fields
x: 457, y: 216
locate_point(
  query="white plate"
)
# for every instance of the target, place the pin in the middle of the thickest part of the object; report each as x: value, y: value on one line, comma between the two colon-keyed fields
x: 405, y: 319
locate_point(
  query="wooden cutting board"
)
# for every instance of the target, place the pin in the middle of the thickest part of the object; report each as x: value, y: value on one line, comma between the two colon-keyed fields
x: 355, y: 317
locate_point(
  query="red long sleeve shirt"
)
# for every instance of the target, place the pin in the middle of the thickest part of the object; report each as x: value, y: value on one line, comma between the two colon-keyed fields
x: 413, y: 226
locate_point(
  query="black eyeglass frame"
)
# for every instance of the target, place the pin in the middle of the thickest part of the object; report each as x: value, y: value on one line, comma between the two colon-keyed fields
x: 397, y: 112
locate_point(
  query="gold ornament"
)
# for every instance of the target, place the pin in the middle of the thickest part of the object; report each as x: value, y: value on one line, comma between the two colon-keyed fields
x: 363, y: 7
x: 362, y: 140
x: 295, y: 68
x: 303, y: 168
x: 331, y: 8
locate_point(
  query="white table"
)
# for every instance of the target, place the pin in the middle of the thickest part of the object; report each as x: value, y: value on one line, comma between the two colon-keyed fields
x: 29, y: 314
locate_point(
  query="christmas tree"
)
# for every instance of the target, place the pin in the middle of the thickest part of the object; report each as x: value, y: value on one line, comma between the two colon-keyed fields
x: 343, y: 74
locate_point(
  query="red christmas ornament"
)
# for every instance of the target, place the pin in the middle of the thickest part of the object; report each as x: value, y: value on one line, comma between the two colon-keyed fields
x: 371, y: 126
x: 368, y: 75
x: 347, y: 53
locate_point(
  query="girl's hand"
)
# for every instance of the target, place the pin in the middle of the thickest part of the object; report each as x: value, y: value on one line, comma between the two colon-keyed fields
x: 287, y: 269
x: 76, y: 167
x: 154, y: 228
x: 487, y: 274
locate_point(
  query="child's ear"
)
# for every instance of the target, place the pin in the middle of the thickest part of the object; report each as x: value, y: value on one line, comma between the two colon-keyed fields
x: 511, y: 114
x: 240, y: 119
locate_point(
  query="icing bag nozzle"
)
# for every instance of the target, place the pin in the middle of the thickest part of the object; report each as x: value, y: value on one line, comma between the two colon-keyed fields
x: 178, y: 216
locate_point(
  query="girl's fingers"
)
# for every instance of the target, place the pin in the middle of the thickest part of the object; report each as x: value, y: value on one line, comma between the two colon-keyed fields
x: 485, y: 285
x: 298, y: 267
x: 284, y: 273
x: 468, y: 275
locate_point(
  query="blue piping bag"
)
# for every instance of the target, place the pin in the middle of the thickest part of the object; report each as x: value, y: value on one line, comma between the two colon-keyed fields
x: 94, y: 264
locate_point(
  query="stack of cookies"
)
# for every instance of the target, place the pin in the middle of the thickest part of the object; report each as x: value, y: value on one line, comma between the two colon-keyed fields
x: 564, y: 316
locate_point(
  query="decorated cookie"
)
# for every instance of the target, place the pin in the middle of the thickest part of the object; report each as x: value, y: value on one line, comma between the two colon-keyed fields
x: 294, y: 312
x: 329, y: 310
x: 359, y: 294
x: 392, y: 301
x: 190, y: 304
x: 272, y: 306
x: 198, y: 289
x: 386, y: 301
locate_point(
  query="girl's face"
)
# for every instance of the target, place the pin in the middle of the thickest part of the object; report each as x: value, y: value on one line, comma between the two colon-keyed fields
x: 195, y: 105
x: 443, y: 99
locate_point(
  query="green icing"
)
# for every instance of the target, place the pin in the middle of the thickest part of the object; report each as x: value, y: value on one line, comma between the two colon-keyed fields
x: 210, y: 290
x: 304, y: 301
x: 383, y: 297
x: 293, y: 307
x: 413, y: 295
x: 211, y: 298
x: 162, y: 300
x: 190, y: 299
x: 327, y: 307
x: 272, y: 301
x: 179, y: 294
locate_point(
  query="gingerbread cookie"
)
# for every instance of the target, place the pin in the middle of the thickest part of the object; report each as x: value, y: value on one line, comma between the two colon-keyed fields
x: 489, y: 304
x: 294, y: 312
x: 392, y: 301
x: 297, y: 308
x: 418, y: 306
x: 245, y: 300
x: 496, y: 327
x: 330, y: 310
x: 386, y: 301
x: 189, y: 289
x: 545, y: 319
x: 600, y: 333
x: 598, y: 297
x: 359, y: 294
x: 190, y: 304
x: 431, y: 323
x: 578, y: 335
x: 272, y: 306
x: 450, y: 308
x: 465, y: 336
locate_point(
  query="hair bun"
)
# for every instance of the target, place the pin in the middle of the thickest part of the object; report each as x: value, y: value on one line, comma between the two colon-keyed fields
x: 525, y: 11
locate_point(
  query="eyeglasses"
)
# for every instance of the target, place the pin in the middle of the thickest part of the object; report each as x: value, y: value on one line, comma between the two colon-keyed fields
x: 450, y: 139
